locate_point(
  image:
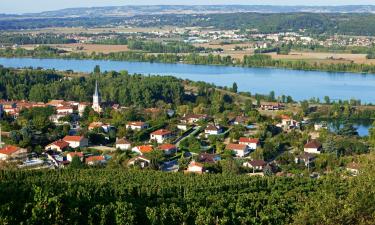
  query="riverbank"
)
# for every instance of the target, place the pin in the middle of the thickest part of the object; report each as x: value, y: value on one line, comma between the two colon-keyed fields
x: 251, y: 61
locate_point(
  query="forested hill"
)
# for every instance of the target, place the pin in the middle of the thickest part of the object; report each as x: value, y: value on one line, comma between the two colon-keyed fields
x: 117, y: 196
x: 315, y: 23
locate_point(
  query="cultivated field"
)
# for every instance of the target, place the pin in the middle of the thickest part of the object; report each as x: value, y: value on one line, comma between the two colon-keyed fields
x: 325, y: 57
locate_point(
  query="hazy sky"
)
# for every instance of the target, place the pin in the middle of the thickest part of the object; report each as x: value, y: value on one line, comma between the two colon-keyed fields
x: 23, y: 6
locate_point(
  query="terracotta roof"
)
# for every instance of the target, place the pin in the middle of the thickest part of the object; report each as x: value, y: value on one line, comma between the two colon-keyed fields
x: 258, y: 163
x: 161, y: 132
x: 196, y: 164
x: 122, y: 141
x: 167, y: 147
x: 212, y: 127
x: 136, y: 123
x: 249, y: 140
x: 73, y: 138
x: 72, y: 154
x: 145, y: 148
x: 285, y: 117
x: 236, y: 147
x: 313, y: 144
x: 9, y: 150
x: 60, y: 143
x: 95, y: 158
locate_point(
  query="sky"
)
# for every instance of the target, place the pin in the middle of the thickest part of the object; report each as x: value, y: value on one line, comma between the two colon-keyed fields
x: 27, y: 6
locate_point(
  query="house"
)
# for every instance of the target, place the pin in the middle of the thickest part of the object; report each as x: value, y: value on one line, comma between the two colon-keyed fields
x: 208, y: 158
x: 271, y: 106
x: 76, y: 141
x: 161, y: 135
x: 137, y: 125
x: 288, y: 123
x: 182, y: 127
x: 123, y: 144
x: 240, y: 120
x: 193, y: 118
x: 12, y: 152
x: 213, y: 130
x: 81, y: 107
x: 59, y: 146
x: 195, y: 167
x: 168, y: 149
x: 143, y: 149
x: 313, y: 147
x: 142, y: 161
x: 255, y: 164
x: 64, y: 110
x: 95, y: 160
x: 252, y: 143
x: 239, y: 149
x: 56, y: 103
x: 95, y: 125
x: 305, y: 158
x: 71, y: 155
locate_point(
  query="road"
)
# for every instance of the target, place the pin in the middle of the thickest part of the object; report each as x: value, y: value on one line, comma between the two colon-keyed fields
x: 192, y: 131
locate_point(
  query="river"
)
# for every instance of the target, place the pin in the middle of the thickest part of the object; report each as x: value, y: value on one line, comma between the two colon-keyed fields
x: 300, y: 85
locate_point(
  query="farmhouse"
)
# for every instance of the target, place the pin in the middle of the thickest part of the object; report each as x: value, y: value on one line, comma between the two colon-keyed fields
x: 76, y: 141
x: 239, y: 149
x: 313, y: 147
x: 59, y: 146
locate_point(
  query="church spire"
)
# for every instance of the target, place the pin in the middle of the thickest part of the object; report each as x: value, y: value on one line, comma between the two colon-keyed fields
x: 96, y: 89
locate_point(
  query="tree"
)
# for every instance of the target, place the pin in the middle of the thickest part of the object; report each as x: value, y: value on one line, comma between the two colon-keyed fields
x: 76, y: 163
x: 327, y: 100
x: 97, y: 69
x: 348, y: 130
x: 234, y: 87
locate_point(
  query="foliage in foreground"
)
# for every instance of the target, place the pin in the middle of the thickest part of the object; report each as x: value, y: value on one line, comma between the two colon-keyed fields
x: 147, y: 197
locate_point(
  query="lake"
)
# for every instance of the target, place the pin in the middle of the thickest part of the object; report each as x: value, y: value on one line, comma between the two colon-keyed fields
x: 300, y: 85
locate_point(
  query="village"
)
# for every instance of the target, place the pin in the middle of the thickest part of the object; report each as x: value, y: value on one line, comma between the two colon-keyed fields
x: 194, y: 143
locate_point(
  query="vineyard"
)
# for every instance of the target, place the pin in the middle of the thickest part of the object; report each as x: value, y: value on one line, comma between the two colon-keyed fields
x: 147, y: 197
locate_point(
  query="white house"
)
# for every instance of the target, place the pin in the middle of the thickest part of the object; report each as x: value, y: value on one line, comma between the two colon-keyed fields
x: 193, y: 118
x: 137, y: 125
x: 123, y: 144
x: 252, y: 143
x: 59, y: 145
x: 255, y: 164
x: 71, y: 155
x: 195, y: 167
x: 239, y: 149
x: 139, y: 160
x: 161, y: 135
x: 76, y: 141
x: 12, y: 152
x: 313, y: 147
x: 64, y: 110
x: 213, y: 130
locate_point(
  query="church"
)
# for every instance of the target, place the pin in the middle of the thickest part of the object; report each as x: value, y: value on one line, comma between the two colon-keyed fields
x: 96, y: 100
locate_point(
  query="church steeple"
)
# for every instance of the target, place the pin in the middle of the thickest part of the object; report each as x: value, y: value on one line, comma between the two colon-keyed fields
x: 96, y: 99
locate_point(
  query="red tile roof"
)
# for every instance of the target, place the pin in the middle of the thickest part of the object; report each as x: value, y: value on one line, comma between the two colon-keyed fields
x: 145, y: 148
x: 60, y: 143
x: 258, y: 163
x: 122, y: 141
x: 9, y: 150
x: 73, y: 138
x: 95, y: 158
x: 161, y: 132
x: 313, y: 144
x: 167, y: 147
x: 72, y: 154
x: 249, y: 140
x: 136, y: 123
x: 236, y: 147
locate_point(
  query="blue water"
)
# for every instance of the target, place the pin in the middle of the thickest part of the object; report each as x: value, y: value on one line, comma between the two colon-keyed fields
x: 298, y: 84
